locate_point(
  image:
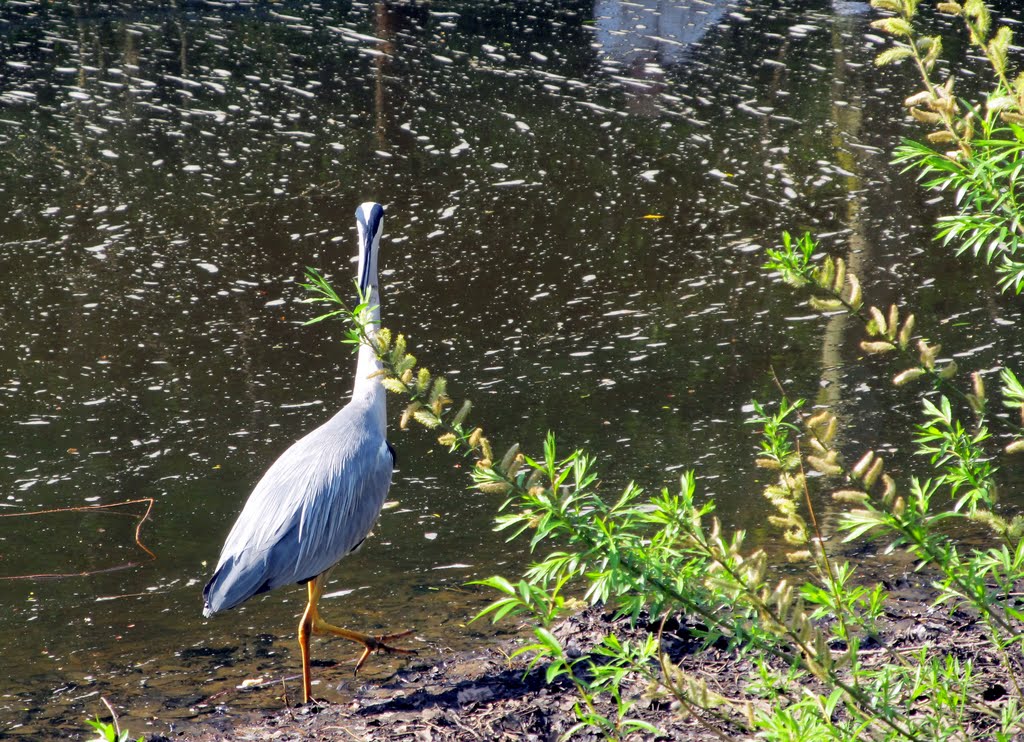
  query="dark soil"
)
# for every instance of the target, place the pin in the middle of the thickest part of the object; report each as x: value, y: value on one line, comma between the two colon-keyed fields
x: 483, y: 695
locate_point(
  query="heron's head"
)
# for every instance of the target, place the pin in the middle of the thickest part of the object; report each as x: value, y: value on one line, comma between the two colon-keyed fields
x: 370, y: 221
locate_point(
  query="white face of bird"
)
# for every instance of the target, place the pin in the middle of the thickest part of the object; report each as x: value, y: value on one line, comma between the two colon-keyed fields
x: 370, y: 221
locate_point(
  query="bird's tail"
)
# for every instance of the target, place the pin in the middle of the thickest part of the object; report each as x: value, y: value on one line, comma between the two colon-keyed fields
x: 232, y: 584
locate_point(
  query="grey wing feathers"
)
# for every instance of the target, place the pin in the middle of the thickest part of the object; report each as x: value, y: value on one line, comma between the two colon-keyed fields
x: 314, y: 505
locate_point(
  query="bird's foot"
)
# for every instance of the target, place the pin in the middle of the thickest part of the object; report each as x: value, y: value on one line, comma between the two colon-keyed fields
x: 314, y: 705
x: 380, y: 644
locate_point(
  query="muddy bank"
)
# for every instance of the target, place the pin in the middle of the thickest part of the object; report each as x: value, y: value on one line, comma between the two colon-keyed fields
x: 483, y: 694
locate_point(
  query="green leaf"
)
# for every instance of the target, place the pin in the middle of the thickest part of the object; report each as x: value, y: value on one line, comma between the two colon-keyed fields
x: 894, y: 26
x: 893, y: 54
x: 322, y: 317
x: 554, y: 671
x: 548, y: 640
x: 498, y: 583
x: 639, y: 725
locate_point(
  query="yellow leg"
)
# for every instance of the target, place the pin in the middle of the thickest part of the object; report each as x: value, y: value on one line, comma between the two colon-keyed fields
x: 311, y: 623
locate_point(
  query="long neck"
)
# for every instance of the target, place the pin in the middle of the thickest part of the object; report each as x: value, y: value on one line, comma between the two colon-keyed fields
x: 369, y: 220
x: 368, y: 363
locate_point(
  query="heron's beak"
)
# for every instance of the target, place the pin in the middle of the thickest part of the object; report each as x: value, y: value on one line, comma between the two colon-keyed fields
x: 364, y: 278
x: 370, y: 218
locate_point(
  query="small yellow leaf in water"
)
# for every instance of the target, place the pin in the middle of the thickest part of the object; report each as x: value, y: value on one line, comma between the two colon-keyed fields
x: 653, y: 216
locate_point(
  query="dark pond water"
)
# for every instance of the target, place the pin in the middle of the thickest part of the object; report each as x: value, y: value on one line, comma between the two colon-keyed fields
x: 578, y: 194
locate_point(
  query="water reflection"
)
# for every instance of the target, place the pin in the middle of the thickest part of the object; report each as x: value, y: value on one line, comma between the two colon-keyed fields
x: 574, y: 236
x: 645, y: 36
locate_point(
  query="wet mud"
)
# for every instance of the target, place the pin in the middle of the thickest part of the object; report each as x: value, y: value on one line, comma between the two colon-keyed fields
x: 484, y: 694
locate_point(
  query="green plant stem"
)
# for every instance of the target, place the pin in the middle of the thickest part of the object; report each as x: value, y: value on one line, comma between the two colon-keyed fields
x: 598, y: 539
x: 692, y: 707
x: 947, y: 116
x: 830, y: 574
x: 1005, y: 659
x: 933, y: 556
x: 862, y: 704
x: 994, y: 192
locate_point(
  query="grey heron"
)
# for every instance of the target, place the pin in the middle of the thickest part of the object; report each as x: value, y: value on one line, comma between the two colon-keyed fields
x: 318, y: 501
